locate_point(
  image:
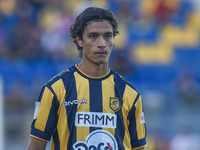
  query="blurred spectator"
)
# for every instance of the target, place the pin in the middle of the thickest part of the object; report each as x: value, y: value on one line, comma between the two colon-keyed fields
x: 55, y: 37
x: 26, y: 40
x: 188, y: 88
x: 1, y: 41
x: 14, y: 101
x: 185, y: 140
x: 156, y: 142
x: 165, y: 10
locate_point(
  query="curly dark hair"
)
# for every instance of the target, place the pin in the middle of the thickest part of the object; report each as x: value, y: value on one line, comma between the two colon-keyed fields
x: 88, y: 15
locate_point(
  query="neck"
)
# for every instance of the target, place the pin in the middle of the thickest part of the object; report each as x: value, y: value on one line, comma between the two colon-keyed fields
x: 94, y: 70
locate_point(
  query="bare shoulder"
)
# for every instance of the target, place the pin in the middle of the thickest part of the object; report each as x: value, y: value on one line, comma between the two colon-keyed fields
x: 36, y: 144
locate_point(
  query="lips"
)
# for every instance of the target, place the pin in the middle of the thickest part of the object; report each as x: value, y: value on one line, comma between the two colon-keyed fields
x: 101, y: 53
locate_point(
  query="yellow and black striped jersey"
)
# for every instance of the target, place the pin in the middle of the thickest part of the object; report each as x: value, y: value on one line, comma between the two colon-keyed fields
x: 80, y: 112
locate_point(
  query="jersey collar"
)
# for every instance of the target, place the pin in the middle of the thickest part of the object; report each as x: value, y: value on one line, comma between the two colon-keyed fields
x: 104, y: 76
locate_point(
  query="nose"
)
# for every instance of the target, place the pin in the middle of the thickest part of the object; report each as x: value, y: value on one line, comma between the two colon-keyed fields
x: 101, y: 42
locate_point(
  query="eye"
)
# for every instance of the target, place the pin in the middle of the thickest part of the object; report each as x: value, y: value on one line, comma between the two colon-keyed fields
x: 108, y: 36
x: 93, y: 36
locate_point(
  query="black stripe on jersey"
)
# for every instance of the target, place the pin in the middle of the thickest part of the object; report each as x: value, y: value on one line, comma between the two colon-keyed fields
x: 120, y: 130
x: 138, y: 143
x: 131, y: 117
x: 95, y: 98
x: 71, y: 94
x: 56, y: 140
x: 41, y: 134
x: 53, y: 117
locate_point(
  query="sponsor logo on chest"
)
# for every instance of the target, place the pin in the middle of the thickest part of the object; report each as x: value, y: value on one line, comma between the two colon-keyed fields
x: 96, y: 119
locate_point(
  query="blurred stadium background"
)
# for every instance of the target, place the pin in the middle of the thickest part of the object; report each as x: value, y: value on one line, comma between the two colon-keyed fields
x: 158, y: 51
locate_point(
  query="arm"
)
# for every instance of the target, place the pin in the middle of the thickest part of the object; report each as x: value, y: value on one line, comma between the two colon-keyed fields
x: 36, y: 144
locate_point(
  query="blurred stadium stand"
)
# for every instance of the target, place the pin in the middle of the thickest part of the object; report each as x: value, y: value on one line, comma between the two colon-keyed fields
x: 158, y: 51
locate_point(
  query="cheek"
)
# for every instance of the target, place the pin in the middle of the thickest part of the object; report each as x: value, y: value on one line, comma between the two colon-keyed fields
x: 110, y: 45
x: 87, y: 49
x: 111, y: 42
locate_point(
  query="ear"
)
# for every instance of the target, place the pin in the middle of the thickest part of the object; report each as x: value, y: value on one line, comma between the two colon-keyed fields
x: 80, y: 42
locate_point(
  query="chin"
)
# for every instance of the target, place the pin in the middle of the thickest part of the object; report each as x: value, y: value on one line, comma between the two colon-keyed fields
x: 100, y: 62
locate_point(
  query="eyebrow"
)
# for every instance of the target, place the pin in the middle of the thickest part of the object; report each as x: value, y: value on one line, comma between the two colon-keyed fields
x: 109, y: 32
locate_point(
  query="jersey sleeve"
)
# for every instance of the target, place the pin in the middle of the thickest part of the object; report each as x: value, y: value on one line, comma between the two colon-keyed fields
x: 45, y: 115
x: 137, y: 126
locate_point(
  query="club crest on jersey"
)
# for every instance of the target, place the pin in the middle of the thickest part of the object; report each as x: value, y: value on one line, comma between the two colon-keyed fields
x: 115, y: 104
x: 97, y: 140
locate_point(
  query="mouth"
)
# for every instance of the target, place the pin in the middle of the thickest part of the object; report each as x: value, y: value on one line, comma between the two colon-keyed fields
x: 101, y: 53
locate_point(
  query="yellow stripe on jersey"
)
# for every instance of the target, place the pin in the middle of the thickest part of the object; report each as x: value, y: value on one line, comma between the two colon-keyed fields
x: 44, y: 109
x: 63, y: 133
x: 82, y: 83
x: 139, y: 147
x: 108, y: 90
x: 60, y: 91
x: 128, y: 101
x: 140, y: 126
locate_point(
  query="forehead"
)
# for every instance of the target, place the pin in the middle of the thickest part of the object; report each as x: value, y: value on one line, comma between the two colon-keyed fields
x: 98, y: 26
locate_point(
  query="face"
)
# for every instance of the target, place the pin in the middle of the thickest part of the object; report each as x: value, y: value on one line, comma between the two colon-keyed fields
x: 97, y: 42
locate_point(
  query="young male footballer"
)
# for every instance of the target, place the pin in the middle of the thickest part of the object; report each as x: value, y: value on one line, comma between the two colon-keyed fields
x: 89, y: 106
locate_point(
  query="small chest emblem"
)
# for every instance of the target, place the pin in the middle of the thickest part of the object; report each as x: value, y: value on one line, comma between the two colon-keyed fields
x: 115, y: 104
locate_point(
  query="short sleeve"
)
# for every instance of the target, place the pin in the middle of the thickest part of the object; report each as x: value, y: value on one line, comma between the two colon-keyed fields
x: 45, y: 115
x: 137, y: 126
